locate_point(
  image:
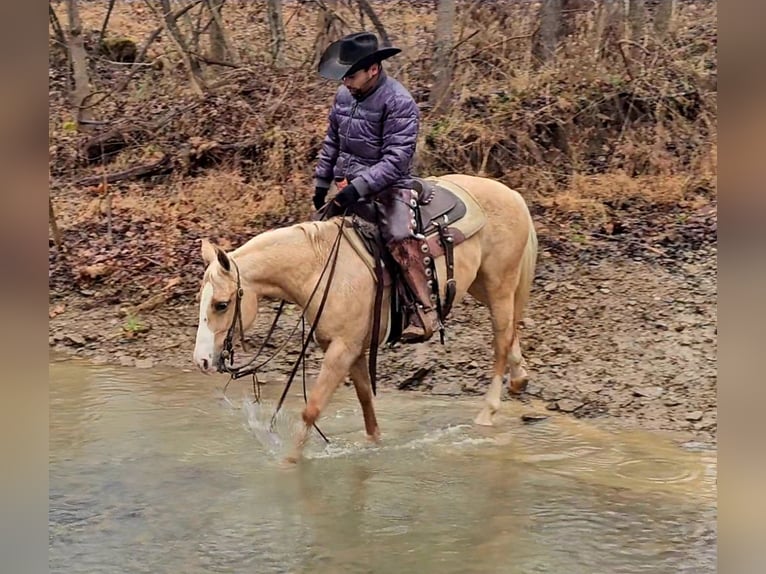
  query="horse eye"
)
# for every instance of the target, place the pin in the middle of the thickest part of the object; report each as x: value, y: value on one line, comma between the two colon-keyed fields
x: 221, y: 305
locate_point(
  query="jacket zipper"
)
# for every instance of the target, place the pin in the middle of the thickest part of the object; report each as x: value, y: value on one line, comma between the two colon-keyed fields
x: 348, y: 129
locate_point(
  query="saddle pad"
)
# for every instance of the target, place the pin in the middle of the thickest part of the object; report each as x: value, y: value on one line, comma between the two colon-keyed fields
x: 474, y: 219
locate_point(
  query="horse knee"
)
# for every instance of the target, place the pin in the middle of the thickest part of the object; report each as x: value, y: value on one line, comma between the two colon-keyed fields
x: 310, y: 414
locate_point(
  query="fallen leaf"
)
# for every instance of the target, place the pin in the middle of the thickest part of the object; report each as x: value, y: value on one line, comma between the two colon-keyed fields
x: 95, y: 271
x: 57, y: 310
x: 172, y: 282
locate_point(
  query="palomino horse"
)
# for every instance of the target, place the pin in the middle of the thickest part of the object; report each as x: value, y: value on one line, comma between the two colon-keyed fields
x: 495, y: 265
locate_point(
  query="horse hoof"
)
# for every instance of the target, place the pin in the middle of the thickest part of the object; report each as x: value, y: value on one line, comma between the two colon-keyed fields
x: 483, y: 419
x: 373, y: 438
x: 288, y: 462
x: 518, y: 386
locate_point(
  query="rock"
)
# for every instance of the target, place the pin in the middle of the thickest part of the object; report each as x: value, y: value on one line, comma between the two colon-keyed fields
x: 605, y: 290
x: 533, y: 417
x: 126, y: 361
x: 648, y: 392
x: 568, y: 405
x: 528, y: 323
x: 572, y: 307
x: 75, y: 338
x: 144, y: 363
x: 552, y: 286
x: 448, y: 389
x: 415, y: 379
x: 671, y: 402
x: 694, y: 416
x: 534, y: 389
x: 553, y: 406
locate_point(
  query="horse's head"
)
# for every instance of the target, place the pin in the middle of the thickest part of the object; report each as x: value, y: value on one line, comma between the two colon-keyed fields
x: 218, y: 306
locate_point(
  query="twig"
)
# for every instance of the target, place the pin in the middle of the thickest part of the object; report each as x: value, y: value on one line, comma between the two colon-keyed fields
x: 211, y: 61
x: 494, y: 44
x: 60, y: 38
x: 463, y: 41
x: 169, y: 23
x: 106, y: 22
x: 149, y: 41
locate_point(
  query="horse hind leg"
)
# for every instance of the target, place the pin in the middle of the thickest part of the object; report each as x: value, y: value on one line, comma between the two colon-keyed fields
x: 519, y: 378
x: 501, y: 309
x: 361, y: 378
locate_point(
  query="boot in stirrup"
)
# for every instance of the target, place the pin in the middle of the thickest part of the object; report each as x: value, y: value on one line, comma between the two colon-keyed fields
x: 412, y: 256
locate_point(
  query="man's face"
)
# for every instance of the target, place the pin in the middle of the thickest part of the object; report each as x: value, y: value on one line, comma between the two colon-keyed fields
x: 362, y: 80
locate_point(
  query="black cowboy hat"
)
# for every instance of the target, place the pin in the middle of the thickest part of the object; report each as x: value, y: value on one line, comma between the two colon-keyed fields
x: 351, y: 53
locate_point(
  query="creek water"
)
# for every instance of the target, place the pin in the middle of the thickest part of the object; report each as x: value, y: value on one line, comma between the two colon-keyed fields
x: 160, y: 471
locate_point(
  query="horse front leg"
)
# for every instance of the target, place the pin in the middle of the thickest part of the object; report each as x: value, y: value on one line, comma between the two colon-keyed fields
x: 361, y: 377
x: 335, y: 366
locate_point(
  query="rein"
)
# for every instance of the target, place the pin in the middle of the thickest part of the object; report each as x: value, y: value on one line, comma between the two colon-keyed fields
x: 250, y: 368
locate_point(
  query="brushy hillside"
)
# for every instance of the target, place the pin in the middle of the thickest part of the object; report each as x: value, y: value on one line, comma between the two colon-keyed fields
x: 593, y: 141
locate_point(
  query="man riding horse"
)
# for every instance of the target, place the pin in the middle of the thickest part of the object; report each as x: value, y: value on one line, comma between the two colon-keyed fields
x: 367, y: 154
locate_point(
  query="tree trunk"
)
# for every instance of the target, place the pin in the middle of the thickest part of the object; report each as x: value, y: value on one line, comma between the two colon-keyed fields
x: 442, y: 56
x: 364, y: 5
x: 610, y: 27
x: 663, y: 17
x: 277, y: 28
x: 546, y: 37
x: 79, y: 59
x: 191, y: 62
x: 221, y: 48
x: 636, y: 19
x: 328, y: 28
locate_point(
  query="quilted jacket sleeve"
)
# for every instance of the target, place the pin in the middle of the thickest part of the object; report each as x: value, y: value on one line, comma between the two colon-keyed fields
x: 328, y: 155
x: 400, y: 133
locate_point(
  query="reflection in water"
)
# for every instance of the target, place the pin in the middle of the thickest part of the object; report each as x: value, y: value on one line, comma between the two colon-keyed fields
x: 158, y: 472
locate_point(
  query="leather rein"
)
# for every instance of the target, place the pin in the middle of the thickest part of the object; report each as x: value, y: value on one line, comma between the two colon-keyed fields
x: 251, y: 368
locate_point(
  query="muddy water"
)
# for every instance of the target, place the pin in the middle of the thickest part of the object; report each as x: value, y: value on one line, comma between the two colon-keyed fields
x: 161, y: 472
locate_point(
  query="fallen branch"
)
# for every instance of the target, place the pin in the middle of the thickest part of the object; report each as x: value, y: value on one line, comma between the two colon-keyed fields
x: 155, y: 168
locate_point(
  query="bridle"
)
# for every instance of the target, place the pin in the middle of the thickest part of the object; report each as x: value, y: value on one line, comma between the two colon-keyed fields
x: 251, y: 368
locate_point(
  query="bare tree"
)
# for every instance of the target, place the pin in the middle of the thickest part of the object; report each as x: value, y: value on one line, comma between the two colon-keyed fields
x: 610, y: 26
x: 190, y: 61
x: 329, y: 27
x: 546, y: 37
x: 79, y: 59
x: 442, y: 55
x: 364, y: 7
x: 105, y: 25
x: 221, y: 48
x: 663, y: 17
x: 636, y: 20
x: 277, y: 28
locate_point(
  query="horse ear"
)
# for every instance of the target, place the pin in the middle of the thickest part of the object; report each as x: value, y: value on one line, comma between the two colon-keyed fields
x: 208, y: 252
x: 223, y: 259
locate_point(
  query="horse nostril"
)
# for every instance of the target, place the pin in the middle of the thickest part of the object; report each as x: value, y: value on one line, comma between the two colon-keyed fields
x: 204, y: 364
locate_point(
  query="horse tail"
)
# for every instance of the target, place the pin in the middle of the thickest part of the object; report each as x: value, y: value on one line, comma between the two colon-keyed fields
x: 527, y: 272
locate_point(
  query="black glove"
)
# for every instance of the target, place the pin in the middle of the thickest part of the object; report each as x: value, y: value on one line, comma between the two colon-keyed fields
x: 347, y: 197
x: 320, y: 193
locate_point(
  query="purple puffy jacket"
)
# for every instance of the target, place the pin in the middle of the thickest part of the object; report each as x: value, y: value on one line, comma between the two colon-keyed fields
x: 370, y: 142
